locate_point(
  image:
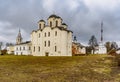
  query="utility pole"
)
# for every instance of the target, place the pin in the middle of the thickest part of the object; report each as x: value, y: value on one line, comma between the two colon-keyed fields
x: 102, y: 32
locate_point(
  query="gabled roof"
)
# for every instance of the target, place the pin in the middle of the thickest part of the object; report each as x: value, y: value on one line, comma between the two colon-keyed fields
x: 27, y: 42
x: 59, y: 27
x: 62, y: 28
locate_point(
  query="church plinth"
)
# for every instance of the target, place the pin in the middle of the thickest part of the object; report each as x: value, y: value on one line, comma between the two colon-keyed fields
x: 101, y: 49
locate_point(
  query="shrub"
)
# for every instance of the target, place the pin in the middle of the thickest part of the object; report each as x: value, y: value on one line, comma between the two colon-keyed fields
x: 118, y: 59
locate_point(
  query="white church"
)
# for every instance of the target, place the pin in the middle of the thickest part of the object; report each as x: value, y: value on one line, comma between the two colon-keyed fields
x: 101, y: 49
x: 50, y: 39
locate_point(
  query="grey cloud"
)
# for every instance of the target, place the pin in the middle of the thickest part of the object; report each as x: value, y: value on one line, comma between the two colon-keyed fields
x: 82, y: 20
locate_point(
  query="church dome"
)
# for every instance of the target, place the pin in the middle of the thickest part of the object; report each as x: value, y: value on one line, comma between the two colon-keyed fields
x: 53, y: 15
x: 41, y: 20
x: 64, y: 24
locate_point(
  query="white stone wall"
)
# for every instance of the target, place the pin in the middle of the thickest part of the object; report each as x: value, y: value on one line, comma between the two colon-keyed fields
x: 101, y: 49
x: 62, y: 41
x: 10, y: 50
x: 83, y: 50
x: 25, y: 49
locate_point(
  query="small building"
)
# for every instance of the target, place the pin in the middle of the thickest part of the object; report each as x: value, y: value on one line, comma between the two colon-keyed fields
x: 75, y: 48
x: 101, y: 49
x: 78, y: 49
x: 22, y: 48
x: 10, y: 49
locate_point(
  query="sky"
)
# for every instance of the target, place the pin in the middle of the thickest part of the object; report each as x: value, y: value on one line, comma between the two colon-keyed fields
x: 83, y: 17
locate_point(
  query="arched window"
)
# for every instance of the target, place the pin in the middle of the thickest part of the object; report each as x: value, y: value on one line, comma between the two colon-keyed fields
x: 29, y: 48
x: 44, y: 25
x: 34, y: 48
x: 56, y: 23
x: 48, y: 34
x: 48, y: 43
x: 45, y: 34
x: 45, y: 43
x: 20, y: 48
x: 39, y: 35
x: 50, y: 24
x: 55, y: 48
x: 39, y: 26
x: 39, y: 48
x: 55, y: 33
x: 17, y: 48
x: 23, y: 48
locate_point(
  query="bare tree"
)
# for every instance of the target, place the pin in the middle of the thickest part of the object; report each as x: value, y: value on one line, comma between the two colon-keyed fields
x: 1, y: 44
x: 9, y: 44
x: 114, y: 45
x: 108, y: 46
x: 111, y: 45
x: 93, y: 43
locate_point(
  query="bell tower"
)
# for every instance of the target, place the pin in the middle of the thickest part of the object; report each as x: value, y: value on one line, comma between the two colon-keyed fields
x: 19, y: 38
x: 75, y: 39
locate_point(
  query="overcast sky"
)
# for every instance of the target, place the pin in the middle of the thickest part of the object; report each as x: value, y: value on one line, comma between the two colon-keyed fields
x: 83, y: 17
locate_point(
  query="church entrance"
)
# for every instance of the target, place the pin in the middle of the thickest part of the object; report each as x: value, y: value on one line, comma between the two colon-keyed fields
x: 46, y: 53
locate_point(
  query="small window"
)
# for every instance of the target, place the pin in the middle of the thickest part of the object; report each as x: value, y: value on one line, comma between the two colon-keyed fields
x: 55, y: 48
x: 45, y: 43
x: 56, y: 23
x: 20, y: 48
x: 39, y: 26
x: 50, y: 24
x: 34, y: 48
x: 45, y: 34
x: 29, y: 48
x: 39, y: 48
x: 17, y: 48
x: 39, y: 35
x: 44, y: 25
x: 48, y: 34
x: 48, y: 43
x: 23, y: 48
x: 55, y: 33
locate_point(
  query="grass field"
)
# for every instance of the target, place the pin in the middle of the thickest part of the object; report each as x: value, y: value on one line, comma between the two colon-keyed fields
x: 98, y: 68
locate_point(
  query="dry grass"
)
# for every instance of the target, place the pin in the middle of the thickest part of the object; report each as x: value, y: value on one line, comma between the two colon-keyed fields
x: 94, y: 68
